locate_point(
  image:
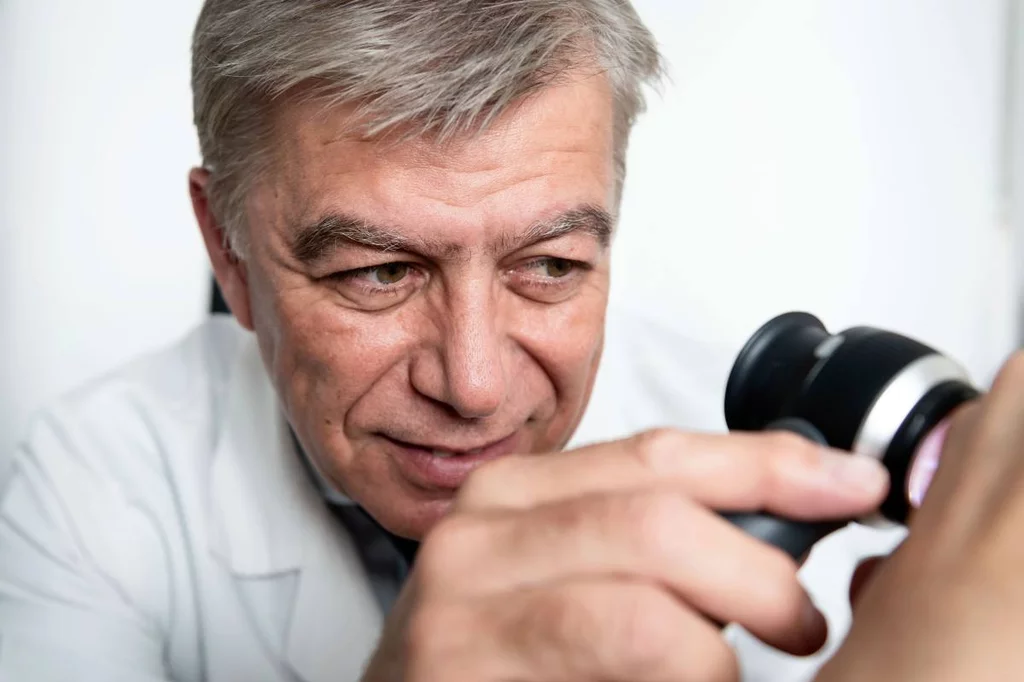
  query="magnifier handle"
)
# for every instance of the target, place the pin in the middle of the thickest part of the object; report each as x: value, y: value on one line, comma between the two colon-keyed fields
x: 795, y: 538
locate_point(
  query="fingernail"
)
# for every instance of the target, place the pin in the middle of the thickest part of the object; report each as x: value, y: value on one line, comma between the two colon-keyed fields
x: 851, y: 471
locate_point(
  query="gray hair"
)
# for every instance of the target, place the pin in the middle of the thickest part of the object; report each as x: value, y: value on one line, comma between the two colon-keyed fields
x: 440, y: 67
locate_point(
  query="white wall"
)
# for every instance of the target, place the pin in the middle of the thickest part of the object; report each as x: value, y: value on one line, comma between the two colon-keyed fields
x: 1014, y: 159
x: 839, y: 157
x: 835, y: 156
x: 99, y: 258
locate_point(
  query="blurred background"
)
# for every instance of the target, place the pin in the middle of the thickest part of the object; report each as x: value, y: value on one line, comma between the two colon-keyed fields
x: 860, y: 160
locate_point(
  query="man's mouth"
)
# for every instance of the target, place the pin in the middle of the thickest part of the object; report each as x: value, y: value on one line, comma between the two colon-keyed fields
x: 440, y: 465
x: 446, y: 451
x: 444, y: 454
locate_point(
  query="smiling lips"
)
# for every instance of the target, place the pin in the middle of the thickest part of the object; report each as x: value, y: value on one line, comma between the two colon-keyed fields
x: 438, y: 467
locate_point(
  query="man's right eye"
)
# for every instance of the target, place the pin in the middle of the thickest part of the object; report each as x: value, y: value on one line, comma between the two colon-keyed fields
x: 385, y: 275
x: 376, y: 287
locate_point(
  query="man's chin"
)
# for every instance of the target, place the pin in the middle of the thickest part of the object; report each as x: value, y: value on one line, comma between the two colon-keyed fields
x: 413, y: 517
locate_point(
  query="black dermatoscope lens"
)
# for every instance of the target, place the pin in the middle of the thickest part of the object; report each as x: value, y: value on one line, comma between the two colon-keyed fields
x: 869, y: 391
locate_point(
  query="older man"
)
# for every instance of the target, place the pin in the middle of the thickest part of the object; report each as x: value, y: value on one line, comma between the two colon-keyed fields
x: 408, y: 205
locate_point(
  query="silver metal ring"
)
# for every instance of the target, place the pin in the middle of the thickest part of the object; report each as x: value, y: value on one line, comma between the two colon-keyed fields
x: 898, y: 399
x: 891, y: 408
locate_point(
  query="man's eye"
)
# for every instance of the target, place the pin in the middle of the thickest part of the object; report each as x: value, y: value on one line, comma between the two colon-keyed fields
x: 378, y: 287
x: 385, y: 275
x: 553, y: 268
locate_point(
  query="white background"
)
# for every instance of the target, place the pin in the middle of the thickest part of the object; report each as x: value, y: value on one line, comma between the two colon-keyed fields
x: 1014, y: 149
x: 99, y: 259
x: 839, y: 157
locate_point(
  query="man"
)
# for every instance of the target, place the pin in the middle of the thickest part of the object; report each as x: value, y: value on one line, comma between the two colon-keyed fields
x: 408, y: 205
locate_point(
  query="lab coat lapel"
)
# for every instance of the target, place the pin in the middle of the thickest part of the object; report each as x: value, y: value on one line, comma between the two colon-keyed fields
x: 268, y: 521
x: 336, y: 618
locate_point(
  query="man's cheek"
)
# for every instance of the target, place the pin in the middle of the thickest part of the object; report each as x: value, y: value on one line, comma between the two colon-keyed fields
x: 343, y: 370
x: 574, y: 335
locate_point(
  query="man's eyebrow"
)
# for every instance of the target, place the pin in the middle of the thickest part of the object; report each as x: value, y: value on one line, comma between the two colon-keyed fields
x: 315, y: 242
x: 589, y: 219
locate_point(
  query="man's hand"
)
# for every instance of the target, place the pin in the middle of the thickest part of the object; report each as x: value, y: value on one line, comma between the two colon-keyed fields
x: 949, y: 604
x: 609, y: 563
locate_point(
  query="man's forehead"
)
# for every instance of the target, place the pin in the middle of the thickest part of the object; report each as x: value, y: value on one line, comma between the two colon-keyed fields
x: 548, y: 158
x: 573, y: 115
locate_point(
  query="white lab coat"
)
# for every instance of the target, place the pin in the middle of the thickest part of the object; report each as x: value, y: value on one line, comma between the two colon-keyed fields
x: 158, y: 525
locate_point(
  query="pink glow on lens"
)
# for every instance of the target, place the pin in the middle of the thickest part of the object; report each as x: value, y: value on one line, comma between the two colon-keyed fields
x: 926, y: 461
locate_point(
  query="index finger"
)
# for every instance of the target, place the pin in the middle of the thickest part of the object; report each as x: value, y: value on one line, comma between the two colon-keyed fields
x: 778, y: 472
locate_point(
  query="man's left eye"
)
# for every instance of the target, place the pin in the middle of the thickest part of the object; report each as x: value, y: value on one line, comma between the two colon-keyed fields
x: 381, y: 276
x: 388, y: 274
x: 552, y: 268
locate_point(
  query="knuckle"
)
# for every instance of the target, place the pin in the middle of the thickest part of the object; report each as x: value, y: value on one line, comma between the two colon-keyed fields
x: 653, y: 448
x: 571, y: 619
x: 788, y: 453
x: 573, y: 516
x: 441, y: 552
x: 790, y: 447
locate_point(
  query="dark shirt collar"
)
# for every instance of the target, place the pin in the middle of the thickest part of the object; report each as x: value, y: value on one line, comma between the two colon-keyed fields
x: 336, y: 500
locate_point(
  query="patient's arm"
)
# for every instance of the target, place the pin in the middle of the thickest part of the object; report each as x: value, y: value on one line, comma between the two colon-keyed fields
x: 949, y: 604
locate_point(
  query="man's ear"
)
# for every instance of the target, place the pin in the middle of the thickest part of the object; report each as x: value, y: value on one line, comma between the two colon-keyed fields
x: 227, y: 267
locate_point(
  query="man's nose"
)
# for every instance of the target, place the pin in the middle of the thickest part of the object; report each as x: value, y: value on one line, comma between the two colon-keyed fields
x: 467, y: 370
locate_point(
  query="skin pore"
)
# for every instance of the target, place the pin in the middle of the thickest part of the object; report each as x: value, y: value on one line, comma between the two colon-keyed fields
x: 449, y: 297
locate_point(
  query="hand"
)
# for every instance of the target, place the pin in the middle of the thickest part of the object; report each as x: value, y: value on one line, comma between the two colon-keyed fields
x: 608, y: 563
x: 949, y: 604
